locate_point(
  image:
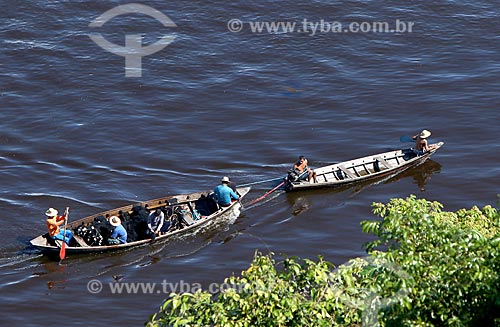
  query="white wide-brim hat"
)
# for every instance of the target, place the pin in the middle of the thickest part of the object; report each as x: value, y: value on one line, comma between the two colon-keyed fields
x: 51, y: 212
x: 225, y: 179
x: 115, y: 221
x: 424, y: 134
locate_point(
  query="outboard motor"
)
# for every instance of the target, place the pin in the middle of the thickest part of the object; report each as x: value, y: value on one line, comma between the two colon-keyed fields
x: 294, y: 175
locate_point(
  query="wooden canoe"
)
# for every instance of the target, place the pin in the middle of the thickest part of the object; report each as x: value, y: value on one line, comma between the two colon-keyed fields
x: 79, y: 246
x: 381, y: 165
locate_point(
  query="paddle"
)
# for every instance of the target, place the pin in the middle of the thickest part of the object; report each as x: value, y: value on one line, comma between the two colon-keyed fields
x: 406, y: 138
x: 62, y: 252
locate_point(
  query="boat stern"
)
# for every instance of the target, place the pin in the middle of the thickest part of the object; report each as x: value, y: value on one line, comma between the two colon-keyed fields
x: 41, y: 243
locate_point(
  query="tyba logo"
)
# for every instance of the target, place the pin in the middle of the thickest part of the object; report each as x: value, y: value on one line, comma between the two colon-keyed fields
x: 133, y: 51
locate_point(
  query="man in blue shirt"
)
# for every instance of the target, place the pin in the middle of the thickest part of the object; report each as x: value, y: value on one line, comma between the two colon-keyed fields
x: 224, y: 193
x: 119, y: 235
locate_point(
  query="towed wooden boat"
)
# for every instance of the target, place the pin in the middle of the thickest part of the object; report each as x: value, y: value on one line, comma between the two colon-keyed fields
x: 199, y: 210
x: 381, y: 165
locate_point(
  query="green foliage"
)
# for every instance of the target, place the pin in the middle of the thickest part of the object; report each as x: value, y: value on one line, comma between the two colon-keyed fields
x: 426, y: 267
x: 261, y: 296
x: 453, y: 259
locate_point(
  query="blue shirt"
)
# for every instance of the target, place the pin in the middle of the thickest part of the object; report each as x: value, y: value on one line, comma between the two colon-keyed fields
x: 120, y: 233
x: 224, y: 194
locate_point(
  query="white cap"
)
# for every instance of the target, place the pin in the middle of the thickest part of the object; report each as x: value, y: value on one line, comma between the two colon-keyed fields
x: 225, y: 179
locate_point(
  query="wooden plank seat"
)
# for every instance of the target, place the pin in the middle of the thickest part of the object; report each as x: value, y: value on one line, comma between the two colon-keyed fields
x: 383, y: 162
x: 347, y: 172
x: 80, y: 241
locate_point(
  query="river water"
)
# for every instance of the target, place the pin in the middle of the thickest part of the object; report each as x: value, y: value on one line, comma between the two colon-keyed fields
x: 77, y: 132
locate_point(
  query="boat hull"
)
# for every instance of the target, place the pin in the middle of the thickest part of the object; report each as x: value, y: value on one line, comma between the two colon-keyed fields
x: 375, y: 167
x: 233, y: 210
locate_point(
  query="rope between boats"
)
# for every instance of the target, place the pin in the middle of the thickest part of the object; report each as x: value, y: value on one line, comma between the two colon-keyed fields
x: 265, y: 195
x: 260, y: 182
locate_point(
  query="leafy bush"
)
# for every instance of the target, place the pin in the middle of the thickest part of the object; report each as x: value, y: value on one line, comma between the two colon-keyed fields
x: 294, y: 296
x: 426, y: 267
x: 453, y: 259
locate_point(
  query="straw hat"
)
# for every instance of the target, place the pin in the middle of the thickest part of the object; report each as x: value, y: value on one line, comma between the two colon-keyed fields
x: 225, y: 179
x: 51, y: 212
x: 115, y: 221
x: 424, y: 134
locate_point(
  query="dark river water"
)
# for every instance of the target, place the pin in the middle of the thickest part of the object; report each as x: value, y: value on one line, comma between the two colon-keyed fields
x: 75, y: 131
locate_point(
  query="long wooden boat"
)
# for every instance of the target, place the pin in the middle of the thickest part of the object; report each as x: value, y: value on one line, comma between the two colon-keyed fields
x: 206, y: 211
x: 381, y: 165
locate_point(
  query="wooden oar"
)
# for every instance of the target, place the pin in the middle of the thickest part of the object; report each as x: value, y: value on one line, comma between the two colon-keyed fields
x: 62, y: 252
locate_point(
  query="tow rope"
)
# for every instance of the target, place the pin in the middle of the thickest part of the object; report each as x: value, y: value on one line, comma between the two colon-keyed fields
x: 261, y: 182
x: 265, y: 195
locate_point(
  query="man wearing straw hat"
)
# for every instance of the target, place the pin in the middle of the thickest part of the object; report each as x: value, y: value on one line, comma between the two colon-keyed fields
x: 224, y: 193
x: 119, y: 234
x: 53, y: 222
x: 421, y: 142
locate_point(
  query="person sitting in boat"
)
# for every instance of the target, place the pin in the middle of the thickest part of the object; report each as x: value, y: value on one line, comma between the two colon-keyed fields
x: 155, y: 223
x: 53, y: 222
x: 422, y: 146
x: 225, y: 194
x: 303, y: 171
x: 119, y: 234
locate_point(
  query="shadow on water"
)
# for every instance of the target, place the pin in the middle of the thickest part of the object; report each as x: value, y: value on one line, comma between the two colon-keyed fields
x: 420, y: 174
